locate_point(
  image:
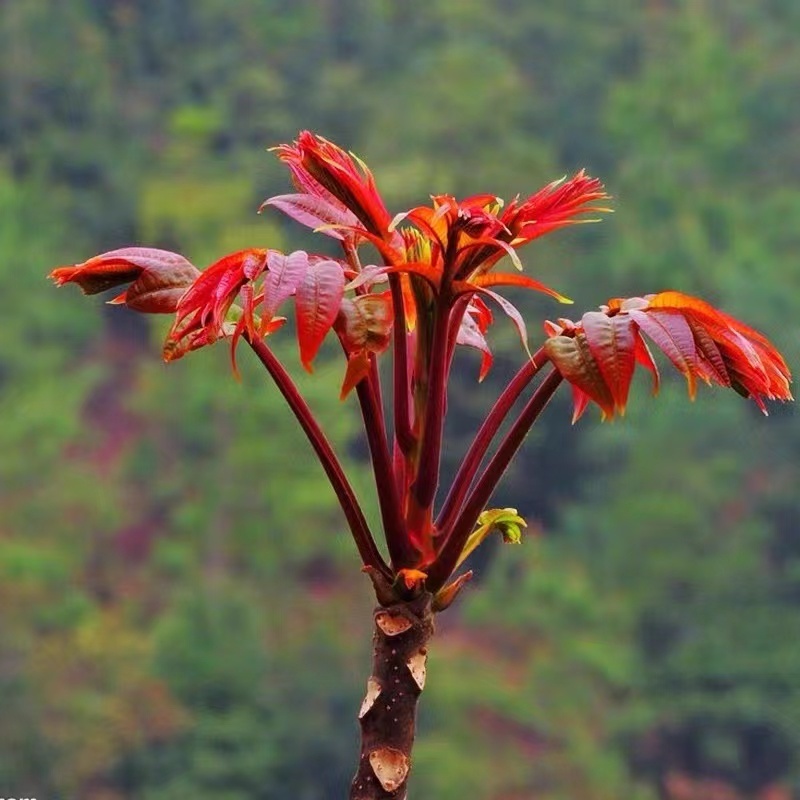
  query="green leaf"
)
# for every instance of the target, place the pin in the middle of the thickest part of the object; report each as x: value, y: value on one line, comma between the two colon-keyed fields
x: 504, y: 521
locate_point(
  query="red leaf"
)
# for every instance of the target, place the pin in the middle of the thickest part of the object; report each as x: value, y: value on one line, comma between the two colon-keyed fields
x: 432, y: 275
x: 368, y: 276
x: 613, y: 343
x: 513, y: 314
x: 313, y: 212
x: 228, y: 285
x: 470, y: 334
x: 366, y: 322
x: 553, y: 207
x: 321, y: 168
x: 672, y: 334
x: 284, y: 275
x: 580, y: 402
x: 573, y: 358
x: 703, y: 341
x: 710, y: 363
x: 317, y: 302
x: 695, y: 307
x: 511, y: 279
x: 752, y: 362
x: 254, y: 262
x: 358, y: 367
x: 159, y: 277
x: 645, y: 358
x: 364, y: 325
x: 217, y: 286
x: 160, y: 292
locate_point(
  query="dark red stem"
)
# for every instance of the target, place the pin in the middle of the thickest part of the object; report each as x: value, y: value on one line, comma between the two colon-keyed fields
x: 477, y: 450
x: 330, y: 463
x: 391, y: 513
x: 402, y: 411
x: 455, y: 539
x: 427, y: 479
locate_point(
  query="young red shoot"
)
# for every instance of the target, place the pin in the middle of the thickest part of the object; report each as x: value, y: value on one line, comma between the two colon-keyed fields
x: 433, y: 289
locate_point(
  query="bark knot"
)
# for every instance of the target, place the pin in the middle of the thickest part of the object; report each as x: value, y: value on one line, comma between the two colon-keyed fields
x: 390, y: 767
x: 392, y: 624
x: 373, y: 692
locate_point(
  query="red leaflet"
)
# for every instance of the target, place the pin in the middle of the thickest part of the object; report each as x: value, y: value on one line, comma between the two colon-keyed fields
x: 365, y: 323
x: 358, y: 367
x: 645, y: 359
x: 314, y: 212
x: 508, y: 279
x: 185, y: 338
x: 699, y: 340
x: 284, y: 274
x: 574, y: 359
x: 471, y: 335
x: 216, y: 288
x: 671, y: 333
x: 159, y: 278
x: 612, y: 342
x: 368, y: 277
x: 554, y: 206
x: 752, y: 364
x: 317, y: 303
x: 710, y: 362
x: 431, y: 275
x: 364, y: 326
x: 511, y: 311
x: 321, y: 168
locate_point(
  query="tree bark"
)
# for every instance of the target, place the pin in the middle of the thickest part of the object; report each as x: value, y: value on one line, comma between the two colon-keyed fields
x: 388, y: 713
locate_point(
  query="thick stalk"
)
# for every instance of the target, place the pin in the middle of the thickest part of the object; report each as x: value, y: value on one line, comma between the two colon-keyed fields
x: 330, y: 463
x: 487, y: 483
x: 388, y: 713
x: 480, y: 444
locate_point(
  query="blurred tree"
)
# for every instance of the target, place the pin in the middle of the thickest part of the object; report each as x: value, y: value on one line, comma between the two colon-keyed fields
x: 534, y: 698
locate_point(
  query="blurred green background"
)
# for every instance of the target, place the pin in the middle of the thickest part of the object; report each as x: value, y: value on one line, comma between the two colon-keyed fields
x: 181, y: 610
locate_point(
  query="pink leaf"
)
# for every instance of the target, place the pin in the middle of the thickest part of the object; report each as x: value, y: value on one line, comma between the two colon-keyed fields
x: 284, y: 275
x: 469, y: 334
x: 513, y: 314
x: 317, y: 302
x: 368, y: 276
x: 169, y: 274
x: 154, y: 293
x: 671, y: 333
x: 313, y: 212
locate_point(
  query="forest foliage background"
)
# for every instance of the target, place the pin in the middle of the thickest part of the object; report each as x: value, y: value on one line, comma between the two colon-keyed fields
x: 181, y: 613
